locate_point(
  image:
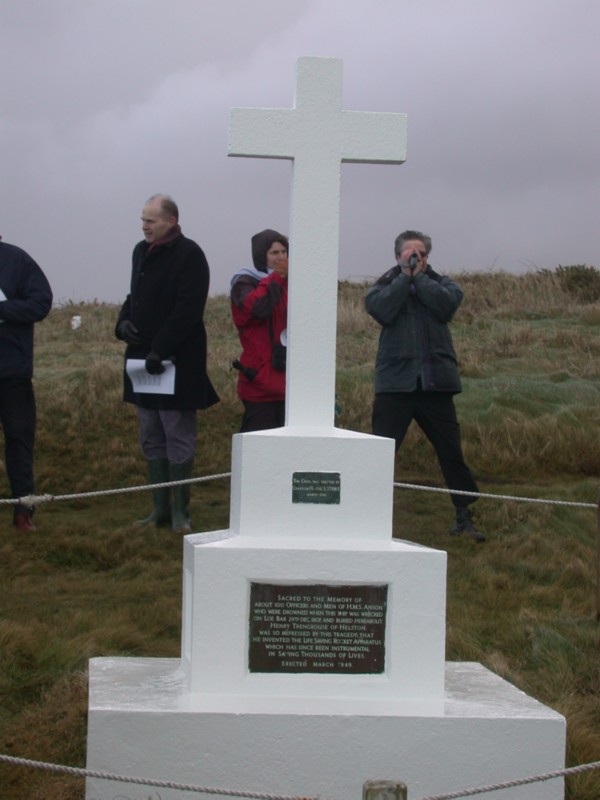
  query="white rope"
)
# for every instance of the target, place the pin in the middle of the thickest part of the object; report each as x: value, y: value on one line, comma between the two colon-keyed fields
x: 37, y: 500
x: 518, y: 782
x: 185, y: 787
x: 516, y: 498
x: 87, y: 773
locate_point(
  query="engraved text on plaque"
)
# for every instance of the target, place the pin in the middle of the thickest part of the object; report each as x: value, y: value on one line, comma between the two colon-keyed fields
x: 317, y: 628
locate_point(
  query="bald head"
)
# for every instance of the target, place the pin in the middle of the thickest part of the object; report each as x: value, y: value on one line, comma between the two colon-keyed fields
x: 159, y: 215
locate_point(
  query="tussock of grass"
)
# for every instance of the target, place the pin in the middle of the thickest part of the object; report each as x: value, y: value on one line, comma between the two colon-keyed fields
x: 90, y: 583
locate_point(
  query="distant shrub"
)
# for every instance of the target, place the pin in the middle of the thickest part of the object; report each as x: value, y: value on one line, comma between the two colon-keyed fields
x: 581, y: 281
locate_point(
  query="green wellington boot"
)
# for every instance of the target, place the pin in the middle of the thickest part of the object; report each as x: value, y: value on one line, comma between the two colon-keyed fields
x: 158, y: 471
x: 180, y: 497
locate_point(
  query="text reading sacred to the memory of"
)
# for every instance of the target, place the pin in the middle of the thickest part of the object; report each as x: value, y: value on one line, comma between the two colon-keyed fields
x: 317, y: 628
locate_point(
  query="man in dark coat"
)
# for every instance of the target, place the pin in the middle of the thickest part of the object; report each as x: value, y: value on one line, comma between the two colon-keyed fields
x: 162, y: 320
x: 25, y: 298
x: 416, y: 374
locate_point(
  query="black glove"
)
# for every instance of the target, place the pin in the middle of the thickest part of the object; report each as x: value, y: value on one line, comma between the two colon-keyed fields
x: 154, y: 364
x: 128, y: 332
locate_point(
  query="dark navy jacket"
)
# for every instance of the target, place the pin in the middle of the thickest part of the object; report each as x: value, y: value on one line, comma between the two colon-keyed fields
x: 28, y: 300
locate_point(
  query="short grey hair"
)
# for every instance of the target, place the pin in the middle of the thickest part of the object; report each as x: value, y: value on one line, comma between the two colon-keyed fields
x: 168, y: 206
x: 407, y: 236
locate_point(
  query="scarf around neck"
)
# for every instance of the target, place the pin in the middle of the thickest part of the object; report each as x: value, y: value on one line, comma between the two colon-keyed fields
x: 170, y: 236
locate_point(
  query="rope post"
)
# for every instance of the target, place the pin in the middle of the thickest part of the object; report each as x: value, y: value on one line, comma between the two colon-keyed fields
x: 384, y: 790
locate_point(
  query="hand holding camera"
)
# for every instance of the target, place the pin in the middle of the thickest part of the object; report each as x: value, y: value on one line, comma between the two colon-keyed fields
x: 412, y: 262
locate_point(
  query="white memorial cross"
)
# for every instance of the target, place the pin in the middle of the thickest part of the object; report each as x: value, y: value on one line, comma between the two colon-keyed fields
x: 317, y: 135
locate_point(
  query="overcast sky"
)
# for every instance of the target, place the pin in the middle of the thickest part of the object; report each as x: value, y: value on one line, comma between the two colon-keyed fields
x: 105, y: 102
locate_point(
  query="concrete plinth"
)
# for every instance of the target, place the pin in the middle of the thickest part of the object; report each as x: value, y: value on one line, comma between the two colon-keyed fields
x: 143, y: 721
x: 219, y: 568
x: 262, y: 466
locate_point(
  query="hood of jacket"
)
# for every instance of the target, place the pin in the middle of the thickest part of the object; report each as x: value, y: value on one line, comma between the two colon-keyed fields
x: 261, y: 244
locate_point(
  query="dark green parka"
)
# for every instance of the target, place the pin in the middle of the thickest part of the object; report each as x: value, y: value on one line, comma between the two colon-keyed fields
x: 415, y: 340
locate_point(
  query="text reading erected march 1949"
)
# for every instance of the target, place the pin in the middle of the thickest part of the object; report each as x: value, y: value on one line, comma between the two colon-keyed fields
x: 317, y: 628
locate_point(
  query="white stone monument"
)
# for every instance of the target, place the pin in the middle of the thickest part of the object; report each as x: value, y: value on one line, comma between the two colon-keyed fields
x: 312, y: 643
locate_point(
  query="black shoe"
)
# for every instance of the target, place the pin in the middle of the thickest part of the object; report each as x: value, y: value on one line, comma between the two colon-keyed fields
x: 464, y: 524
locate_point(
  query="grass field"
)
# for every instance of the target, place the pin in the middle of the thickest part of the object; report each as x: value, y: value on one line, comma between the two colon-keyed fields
x: 89, y: 583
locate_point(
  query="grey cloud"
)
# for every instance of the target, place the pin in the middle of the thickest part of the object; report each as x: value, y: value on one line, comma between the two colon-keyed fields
x: 108, y: 102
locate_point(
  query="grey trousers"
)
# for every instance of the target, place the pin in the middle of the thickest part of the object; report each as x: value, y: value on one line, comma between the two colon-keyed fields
x: 168, y: 434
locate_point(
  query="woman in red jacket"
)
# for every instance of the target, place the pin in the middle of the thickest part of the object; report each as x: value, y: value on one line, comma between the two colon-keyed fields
x: 259, y: 310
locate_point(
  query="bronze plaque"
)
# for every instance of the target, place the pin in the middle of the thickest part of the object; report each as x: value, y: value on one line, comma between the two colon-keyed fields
x: 316, y: 487
x: 317, y: 628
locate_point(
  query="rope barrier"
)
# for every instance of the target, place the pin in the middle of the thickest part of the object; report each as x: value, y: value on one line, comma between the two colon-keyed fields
x: 496, y: 496
x: 37, y: 500
x: 79, y: 772
x: 518, y: 782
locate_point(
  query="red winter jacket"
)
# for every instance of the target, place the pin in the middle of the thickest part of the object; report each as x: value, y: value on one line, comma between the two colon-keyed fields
x: 255, y: 301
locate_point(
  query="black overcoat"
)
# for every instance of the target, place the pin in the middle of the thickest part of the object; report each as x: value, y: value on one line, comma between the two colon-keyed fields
x: 168, y: 292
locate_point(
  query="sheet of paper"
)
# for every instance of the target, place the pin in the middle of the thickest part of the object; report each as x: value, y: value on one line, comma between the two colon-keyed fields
x: 144, y: 383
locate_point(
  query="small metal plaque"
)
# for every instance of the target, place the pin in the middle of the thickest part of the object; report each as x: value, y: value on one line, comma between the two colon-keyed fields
x: 317, y: 628
x: 316, y: 487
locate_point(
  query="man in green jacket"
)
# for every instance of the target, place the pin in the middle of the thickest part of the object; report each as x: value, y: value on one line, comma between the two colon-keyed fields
x: 416, y: 372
